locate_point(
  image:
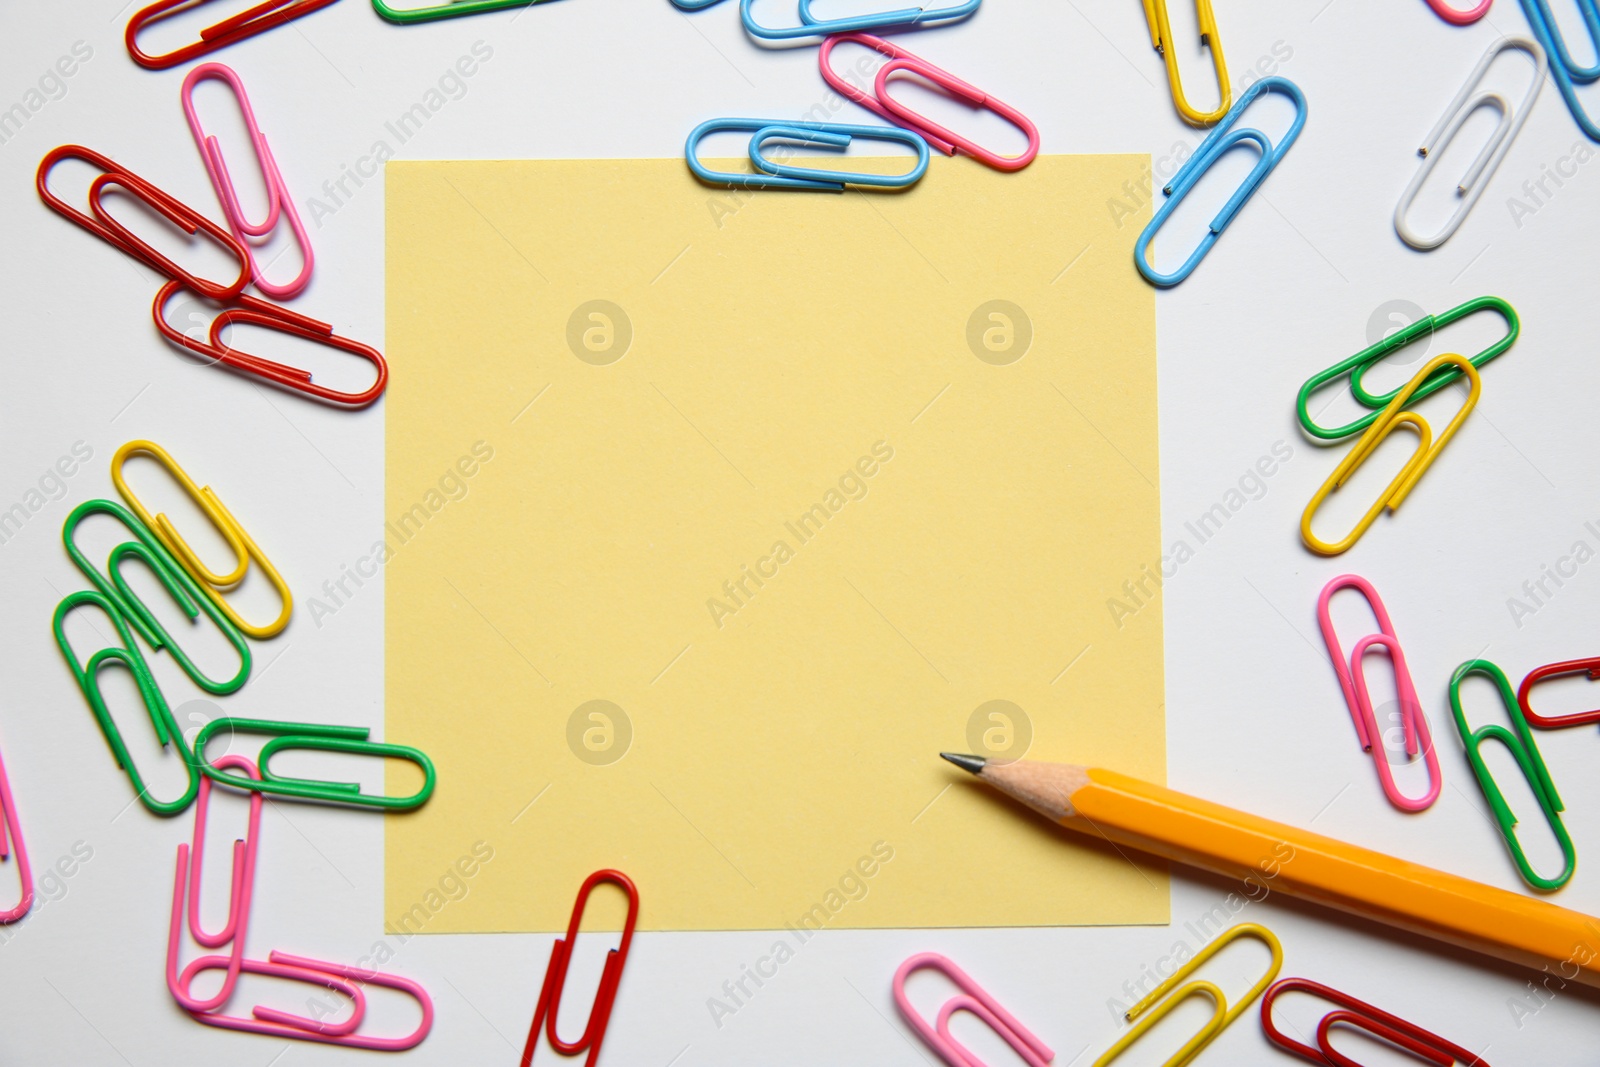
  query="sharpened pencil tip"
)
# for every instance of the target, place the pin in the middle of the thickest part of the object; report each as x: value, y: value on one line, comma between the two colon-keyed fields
x: 972, y: 764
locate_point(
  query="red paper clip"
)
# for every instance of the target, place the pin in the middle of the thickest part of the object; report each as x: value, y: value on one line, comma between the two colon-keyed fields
x: 247, y: 23
x: 247, y: 310
x: 11, y: 830
x: 1591, y: 667
x: 555, y: 976
x: 1352, y: 1012
x: 102, y: 225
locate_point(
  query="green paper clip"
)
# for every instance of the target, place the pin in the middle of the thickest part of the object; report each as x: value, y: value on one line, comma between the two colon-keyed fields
x: 177, y: 581
x: 448, y: 10
x: 1359, y: 364
x: 129, y: 657
x: 293, y: 735
x: 1522, y: 748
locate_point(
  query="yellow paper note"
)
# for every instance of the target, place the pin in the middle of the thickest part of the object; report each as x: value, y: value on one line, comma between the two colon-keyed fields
x: 714, y: 516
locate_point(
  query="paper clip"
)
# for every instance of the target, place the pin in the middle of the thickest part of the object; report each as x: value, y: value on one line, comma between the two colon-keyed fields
x: 304, y: 735
x: 1388, y: 420
x: 774, y: 175
x: 962, y: 91
x: 1591, y: 667
x: 694, y: 5
x: 182, y: 588
x: 1159, y: 1003
x: 974, y: 1000
x: 280, y: 204
x: 222, y: 520
x: 449, y: 10
x: 239, y: 897
x: 1483, y: 168
x: 1358, y: 1013
x: 1359, y: 364
x: 1155, y: 14
x: 555, y: 976
x: 1518, y: 741
x: 1218, y: 142
x: 245, y: 24
x: 814, y: 27
x: 99, y: 222
x: 127, y: 654
x: 850, y: 91
x: 247, y: 310
x: 11, y: 841
x: 1457, y: 17
x: 1353, y: 682
x: 1567, y: 73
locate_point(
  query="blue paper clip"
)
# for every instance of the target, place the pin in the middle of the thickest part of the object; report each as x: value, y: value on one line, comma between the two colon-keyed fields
x: 814, y: 27
x: 1518, y: 741
x: 775, y: 175
x: 694, y: 5
x: 1220, y: 141
x: 1566, y: 73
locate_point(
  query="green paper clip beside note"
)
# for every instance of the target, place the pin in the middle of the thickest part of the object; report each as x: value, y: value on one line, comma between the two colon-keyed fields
x: 1357, y: 366
x: 1519, y: 742
x: 302, y: 735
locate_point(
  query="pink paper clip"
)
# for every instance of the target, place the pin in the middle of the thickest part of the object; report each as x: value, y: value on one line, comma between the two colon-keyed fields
x: 946, y: 141
x: 280, y: 204
x: 1457, y: 17
x: 972, y: 999
x: 1353, y: 681
x: 11, y: 830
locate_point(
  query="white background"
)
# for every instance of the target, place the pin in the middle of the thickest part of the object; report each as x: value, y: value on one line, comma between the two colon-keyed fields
x: 1255, y: 718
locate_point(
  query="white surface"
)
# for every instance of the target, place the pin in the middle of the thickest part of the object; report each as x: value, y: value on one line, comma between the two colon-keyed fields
x: 1255, y: 717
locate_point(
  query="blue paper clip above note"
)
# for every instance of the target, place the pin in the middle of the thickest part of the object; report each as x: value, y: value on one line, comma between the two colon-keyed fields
x: 1221, y: 140
x: 811, y: 26
x: 774, y: 174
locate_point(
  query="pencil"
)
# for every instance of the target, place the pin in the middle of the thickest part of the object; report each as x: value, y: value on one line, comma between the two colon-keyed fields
x: 1163, y: 822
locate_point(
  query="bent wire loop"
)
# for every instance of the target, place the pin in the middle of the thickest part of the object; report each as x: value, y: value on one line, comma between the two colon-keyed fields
x: 1389, y: 419
x: 811, y: 26
x: 303, y: 735
x: 148, y: 550
x: 850, y: 91
x: 963, y: 91
x: 245, y: 309
x: 1518, y: 741
x: 11, y: 843
x: 973, y: 999
x: 555, y: 976
x: 1459, y: 110
x: 1457, y: 17
x: 691, y: 5
x: 1221, y: 140
x: 1169, y: 994
x: 1358, y: 698
x: 1564, y: 70
x: 247, y: 23
x: 244, y: 547
x: 1408, y: 1036
x: 239, y: 898
x: 1590, y: 666
x: 450, y: 9
x: 1357, y: 366
x: 1155, y: 14
x: 99, y: 222
x: 772, y: 174
x: 280, y: 203
x: 128, y: 656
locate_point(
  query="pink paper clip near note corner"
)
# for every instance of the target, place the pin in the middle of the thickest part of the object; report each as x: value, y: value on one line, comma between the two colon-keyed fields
x: 280, y: 204
x: 11, y: 846
x: 974, y: 1000
x: 1353, y: 683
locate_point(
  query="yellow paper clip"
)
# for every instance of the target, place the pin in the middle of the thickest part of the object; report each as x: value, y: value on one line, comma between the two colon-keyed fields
x: 239, y: 541
x: 1155, y: 13
x: 1387, y: 420
x: 1159, y: 1004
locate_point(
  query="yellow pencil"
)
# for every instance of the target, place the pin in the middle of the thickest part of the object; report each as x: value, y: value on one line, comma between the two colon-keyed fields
x: 1445, y: 907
